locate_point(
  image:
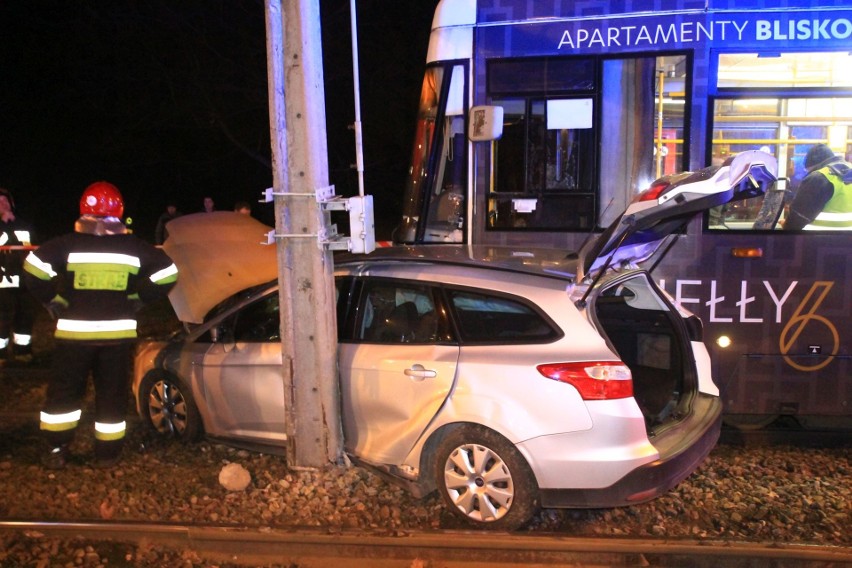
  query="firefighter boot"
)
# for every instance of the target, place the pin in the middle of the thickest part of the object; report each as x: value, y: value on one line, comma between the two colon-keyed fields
x: 107, y: 453
x: 56, y: 457
x: 23, y: 354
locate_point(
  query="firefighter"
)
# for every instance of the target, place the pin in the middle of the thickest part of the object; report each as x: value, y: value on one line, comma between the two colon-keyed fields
x: 824, y: 198
x: 16, y: 317
x: 92, y: 281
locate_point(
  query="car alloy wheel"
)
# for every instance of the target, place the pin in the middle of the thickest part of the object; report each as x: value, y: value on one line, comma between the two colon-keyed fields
x: 485, y: 480
x: 169, y: 408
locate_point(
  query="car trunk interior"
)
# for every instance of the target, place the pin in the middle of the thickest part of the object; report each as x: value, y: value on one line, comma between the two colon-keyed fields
x: 644, y: 331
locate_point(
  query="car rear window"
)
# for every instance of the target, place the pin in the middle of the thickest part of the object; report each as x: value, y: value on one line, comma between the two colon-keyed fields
x: 486, y: 318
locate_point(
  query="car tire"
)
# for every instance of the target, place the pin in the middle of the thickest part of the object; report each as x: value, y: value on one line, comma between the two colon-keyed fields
x: 168, y: 407
x: 484, y: 479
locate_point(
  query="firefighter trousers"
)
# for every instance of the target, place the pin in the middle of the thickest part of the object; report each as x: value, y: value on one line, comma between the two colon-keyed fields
x: 109, y: 365
x: 16, y: 321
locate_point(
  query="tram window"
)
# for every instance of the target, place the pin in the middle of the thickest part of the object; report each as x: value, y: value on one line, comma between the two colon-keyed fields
x: 549, y: 173
x: 551, y: 146
x: 437, y: 181
x: 544, y: 164
x: 796, y: 70
x: 642, y: 135
x: 544, y: 171
x: 785, y: 127
x: 539, y: 75
x: 445, y: 211
x: 418, y: 173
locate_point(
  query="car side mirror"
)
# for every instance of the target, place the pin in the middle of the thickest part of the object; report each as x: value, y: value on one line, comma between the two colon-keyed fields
x: 222, y: 334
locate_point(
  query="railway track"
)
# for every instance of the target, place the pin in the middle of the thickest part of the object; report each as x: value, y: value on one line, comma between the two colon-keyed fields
x: 235, y: 545
x: 307, y: 548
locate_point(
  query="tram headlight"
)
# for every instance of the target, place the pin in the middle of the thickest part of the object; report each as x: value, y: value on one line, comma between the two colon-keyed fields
x: 723, y: 341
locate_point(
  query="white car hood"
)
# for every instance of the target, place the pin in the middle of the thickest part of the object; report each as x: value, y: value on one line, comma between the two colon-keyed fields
x: 218, y: 254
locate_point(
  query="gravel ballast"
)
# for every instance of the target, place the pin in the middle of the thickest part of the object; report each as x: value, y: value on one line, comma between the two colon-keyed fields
x: 781, y: 494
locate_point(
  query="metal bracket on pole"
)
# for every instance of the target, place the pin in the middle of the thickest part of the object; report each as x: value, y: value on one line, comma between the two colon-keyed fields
x: 329, y: 239
x: 326, y: 238
x: 322, y: 194
x: 361, y: 223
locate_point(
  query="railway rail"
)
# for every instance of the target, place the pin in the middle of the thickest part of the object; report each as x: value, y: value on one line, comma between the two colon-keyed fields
x: 310, y: 548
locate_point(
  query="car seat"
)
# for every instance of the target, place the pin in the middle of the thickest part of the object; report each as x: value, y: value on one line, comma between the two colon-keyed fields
x: 401, y: 324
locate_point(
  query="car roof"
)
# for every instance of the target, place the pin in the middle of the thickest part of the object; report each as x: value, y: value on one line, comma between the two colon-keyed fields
x: 551, y: 263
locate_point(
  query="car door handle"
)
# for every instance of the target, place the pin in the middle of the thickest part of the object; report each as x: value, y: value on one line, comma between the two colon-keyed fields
x: 419, y: 372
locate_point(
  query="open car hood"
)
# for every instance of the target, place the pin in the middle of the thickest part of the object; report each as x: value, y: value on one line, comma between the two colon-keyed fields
x: 218, y: 254
x: 670, y: 203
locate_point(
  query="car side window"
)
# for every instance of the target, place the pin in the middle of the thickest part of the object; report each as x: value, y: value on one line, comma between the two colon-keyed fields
x: 397, y: 312
x: 486, y: 318
x: 259, y: 322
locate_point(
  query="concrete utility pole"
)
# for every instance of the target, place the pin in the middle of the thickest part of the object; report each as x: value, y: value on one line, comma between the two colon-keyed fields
x: 305, y: 267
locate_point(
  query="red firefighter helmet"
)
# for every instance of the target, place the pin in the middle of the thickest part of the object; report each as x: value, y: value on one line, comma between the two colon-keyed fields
x: 103, y: 200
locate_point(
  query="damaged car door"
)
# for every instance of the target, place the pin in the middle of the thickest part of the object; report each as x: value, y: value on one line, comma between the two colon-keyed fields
x: 396, y: 369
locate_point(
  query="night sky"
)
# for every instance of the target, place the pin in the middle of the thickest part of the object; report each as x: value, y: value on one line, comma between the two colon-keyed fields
x: 168, y: 100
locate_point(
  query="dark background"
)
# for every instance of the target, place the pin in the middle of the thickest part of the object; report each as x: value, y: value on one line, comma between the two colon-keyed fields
x: 168, y: 100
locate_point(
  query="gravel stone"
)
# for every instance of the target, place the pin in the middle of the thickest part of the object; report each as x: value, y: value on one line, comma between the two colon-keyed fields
x: 234, y: 477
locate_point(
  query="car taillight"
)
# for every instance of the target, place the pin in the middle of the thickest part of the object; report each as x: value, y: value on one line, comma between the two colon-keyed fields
x: 654, y: 192
x: 594, y: 380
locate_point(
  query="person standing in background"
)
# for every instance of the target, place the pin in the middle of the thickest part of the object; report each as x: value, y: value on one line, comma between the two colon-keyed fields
x: 16, y: 318
x: 161, y: 233
x: 208, y: 205
x: 823, y: 200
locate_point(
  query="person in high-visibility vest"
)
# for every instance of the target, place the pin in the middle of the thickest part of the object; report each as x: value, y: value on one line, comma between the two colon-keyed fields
x: 823, y: 200
x: 16, y: 316
x: 93, y: 281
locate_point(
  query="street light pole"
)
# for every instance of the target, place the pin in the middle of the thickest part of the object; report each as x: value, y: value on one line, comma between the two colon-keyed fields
x: 305, y: 266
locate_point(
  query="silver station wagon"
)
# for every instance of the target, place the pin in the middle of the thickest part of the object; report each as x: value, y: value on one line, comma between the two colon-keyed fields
x: 505, y: 379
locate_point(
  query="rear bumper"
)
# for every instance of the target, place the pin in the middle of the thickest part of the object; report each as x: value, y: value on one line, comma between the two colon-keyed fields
x: 688, y: 446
